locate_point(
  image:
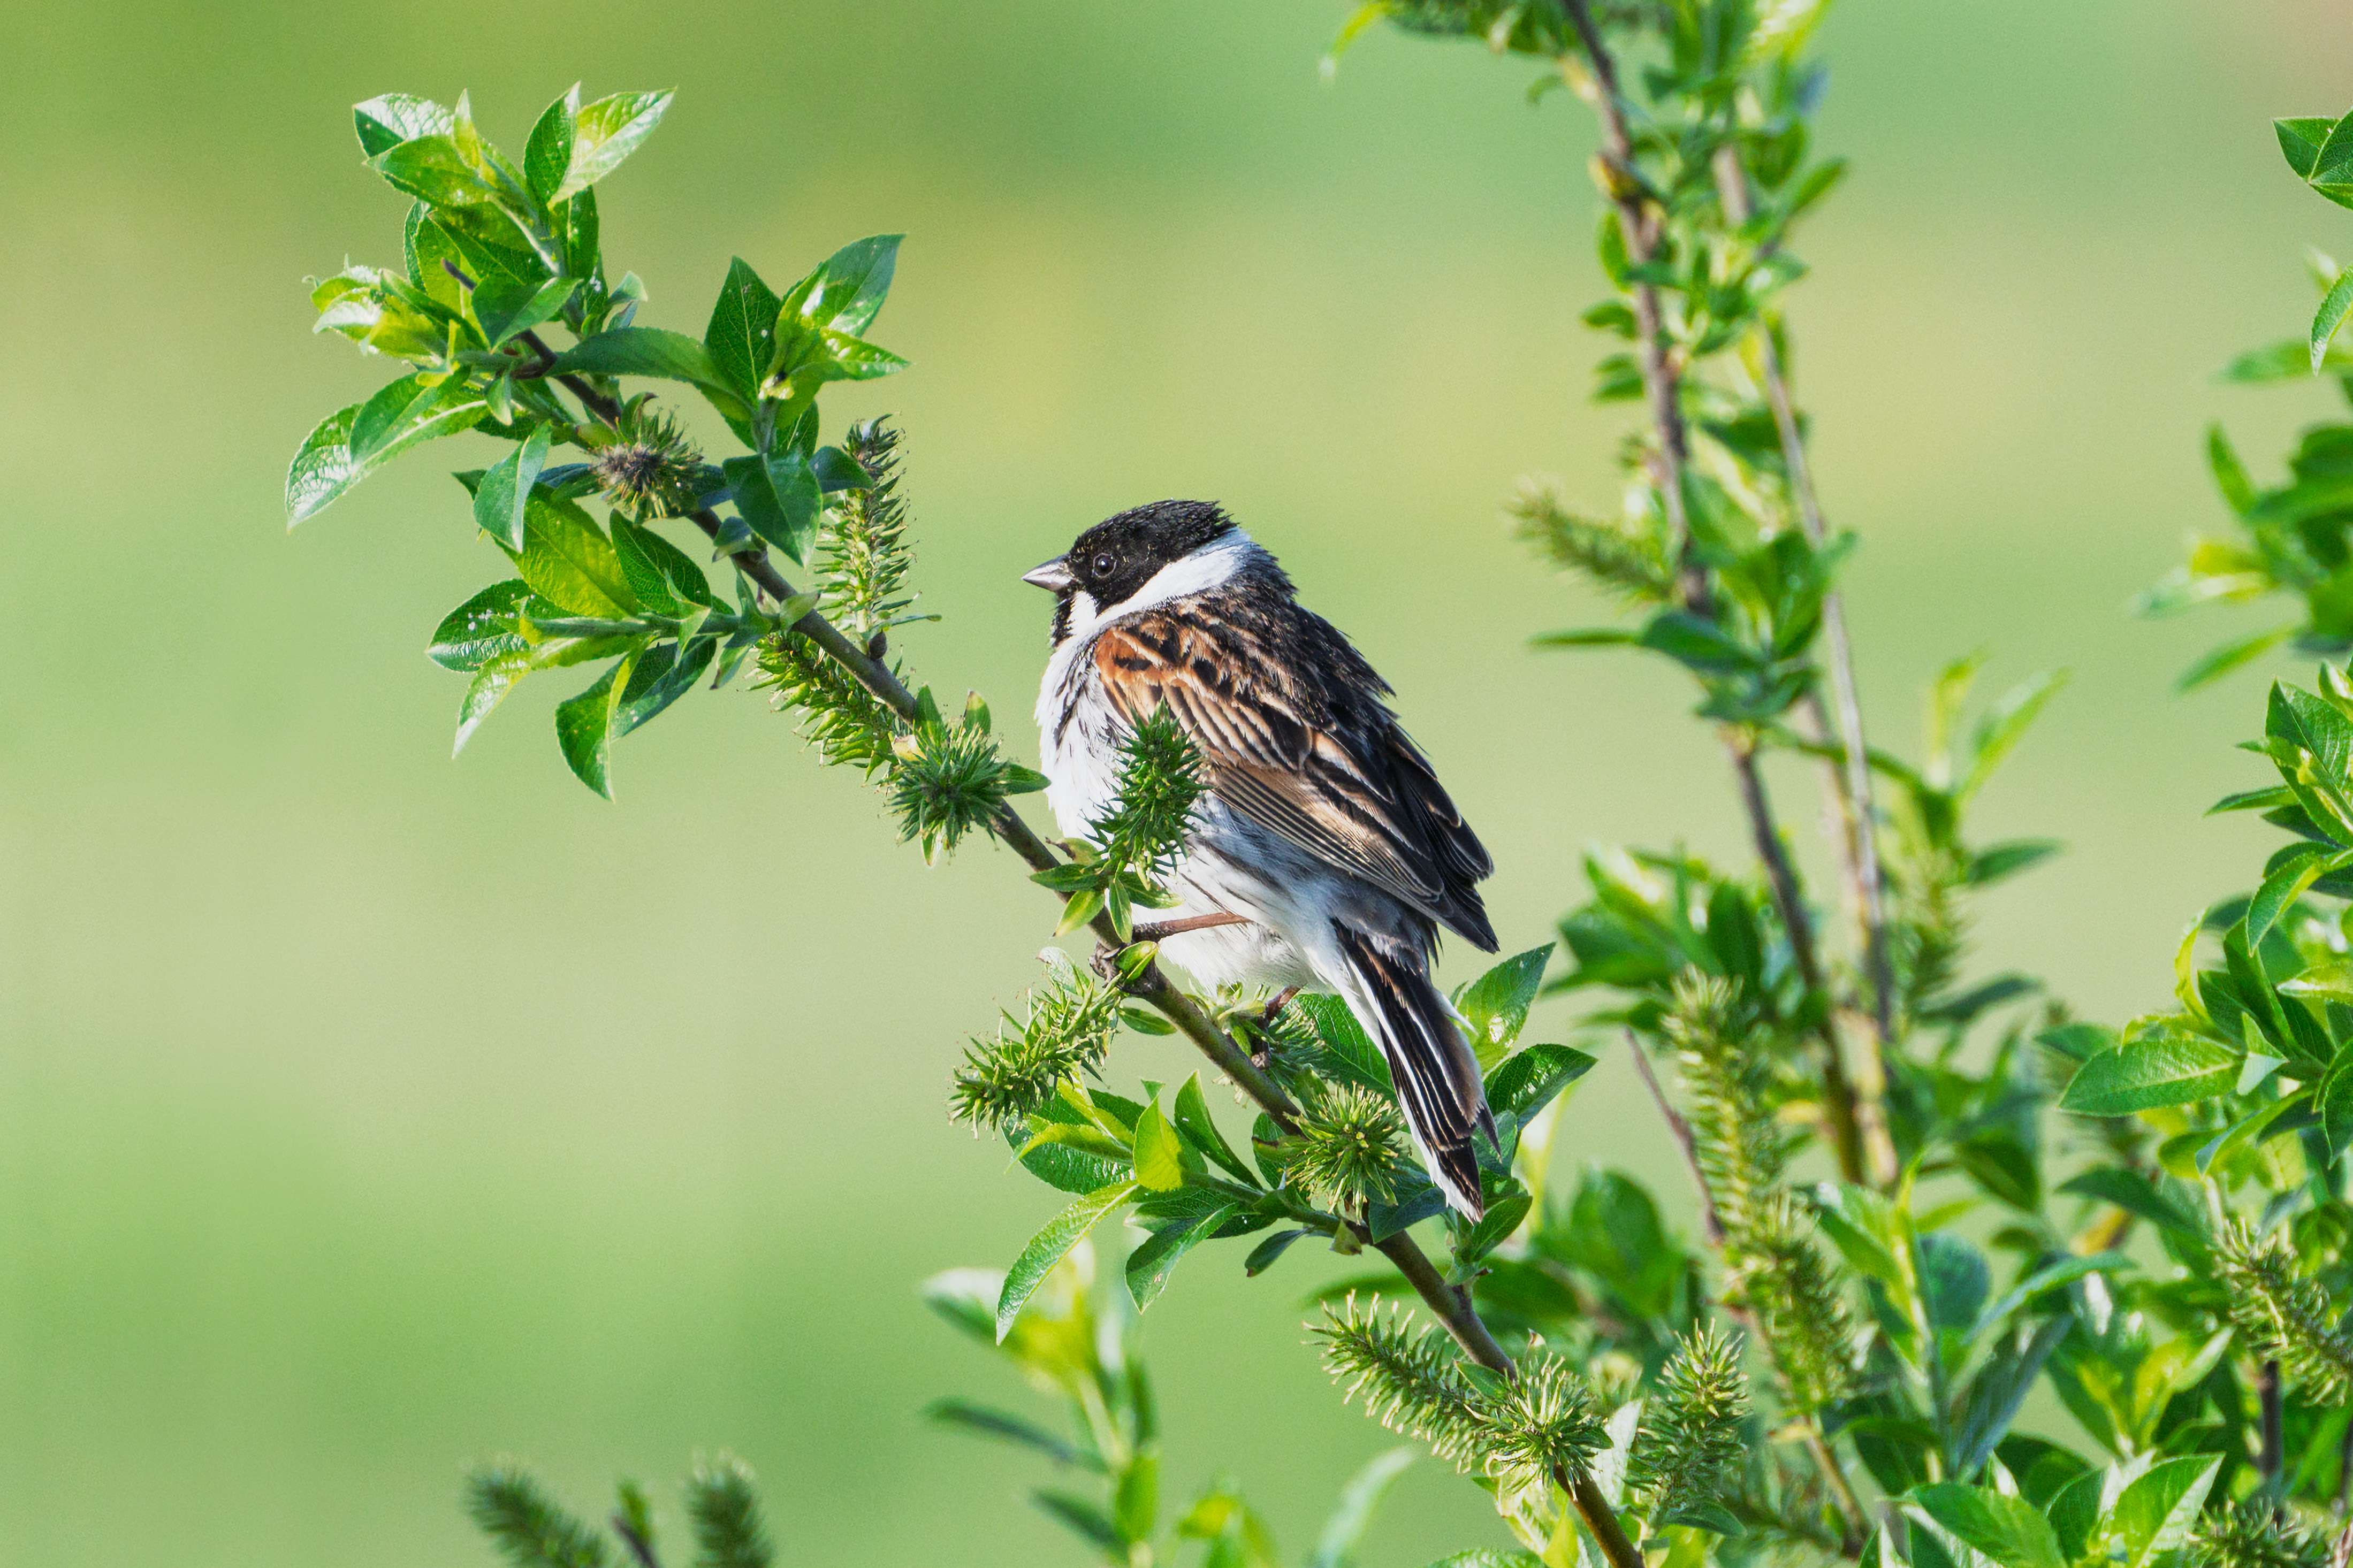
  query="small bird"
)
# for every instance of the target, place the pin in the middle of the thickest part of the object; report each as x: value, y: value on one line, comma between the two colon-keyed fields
x: 1323, y: 826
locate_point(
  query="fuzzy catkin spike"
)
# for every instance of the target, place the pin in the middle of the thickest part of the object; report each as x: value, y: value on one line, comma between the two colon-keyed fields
x: 1408, y: 1382
x: 1350, y: 1142
x: 2254, y: 1534
x: 1771, y: 1266
x: 1007, y: 1080
x: 864, y: 558
x: 1539, y: 1424
x: 648, y: 468
x: 1160, y: 783
x: 947, y: 782
x: 1628, y: 558
x: 1690, y: 1437
x: 847, y: 724
x: 531, y: 1528
x: 1779, y: 1276
x: 2285, y: 1314
x: 1542, y: 1424
x: 1741, y: 1152
x: 725, y: 1509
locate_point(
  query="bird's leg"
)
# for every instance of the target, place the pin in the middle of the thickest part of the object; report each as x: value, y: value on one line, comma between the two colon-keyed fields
x: 1161, y: 931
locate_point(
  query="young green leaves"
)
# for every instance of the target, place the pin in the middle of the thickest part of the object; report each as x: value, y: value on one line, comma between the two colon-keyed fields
x: 494, y: 252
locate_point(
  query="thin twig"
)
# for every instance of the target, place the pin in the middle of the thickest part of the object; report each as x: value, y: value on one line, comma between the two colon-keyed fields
x: 1638, y: 223
x: 1681, y: 1131
x: 639, y: 1547
x: 1849, y: 1505
x: 2272, y: 1455
x: 1850, y: 779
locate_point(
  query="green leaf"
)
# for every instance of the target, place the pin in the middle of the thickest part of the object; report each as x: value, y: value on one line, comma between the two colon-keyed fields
x: 2333, y: 1098
x: 506, y: 307
x: 664, y: 578
x: 2297, y: 872
x: 1525, y: 1082
x: 1997, y: 862
x: 2232, y: 654
x: 1159, y: 1163
x: 743, y: 331
x: 1049, y: 1247
x: 1697, y: 644
x: 1496, y: 1004
x: 2136, y: 1194
x: 1191, y: 1116
x: 568, y: 562
x: 2154, y: 1513
x: 2050, y: 1277
x: 1135, y: 1500
x: 642, y: 351
x: 1344, y: 1532
x: 583, y: 728
x: 2335, y: 157
x: 481, y: 629
x: 437, y: 169
x: 2332, y: 979
x: 855, y: 359
x: 603, y: 133
x: 2331, y: 316
x: 2004, y: 724
x: 2163, y: 1067
x: 499, y: 500
x: 324, y: 468
x: 1862, y: 1225
x: 1155, y: 1258
x: 2074, y: 1513
x: 2230, y: 474
x: 548, y: 154
x: 386, y: 121
x: 2005, y: 1529
x: 2250, y: 1130
x: 1492, y: 1230
x: 1085, y: 1520
x: 983, y: 1421
x: 1263, y: 1256
x: 847, y: 292
x: 353, y: 443
x: 2300, y: 140
x: 492, y: 680
x: 661, y: 678
x: 779, y: 498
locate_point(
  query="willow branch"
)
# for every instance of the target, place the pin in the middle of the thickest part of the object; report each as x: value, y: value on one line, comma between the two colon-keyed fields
x: 1850, y: 780
x: 1638, y: 222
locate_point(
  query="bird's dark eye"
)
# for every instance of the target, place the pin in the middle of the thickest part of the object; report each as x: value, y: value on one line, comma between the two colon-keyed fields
x: 1102, y: 564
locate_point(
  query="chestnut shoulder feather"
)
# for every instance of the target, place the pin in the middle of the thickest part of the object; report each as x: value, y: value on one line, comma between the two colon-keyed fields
x: 1293, y: 734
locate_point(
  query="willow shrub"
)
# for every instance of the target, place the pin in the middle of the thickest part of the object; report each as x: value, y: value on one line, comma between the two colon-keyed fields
x: 1922, y: 1191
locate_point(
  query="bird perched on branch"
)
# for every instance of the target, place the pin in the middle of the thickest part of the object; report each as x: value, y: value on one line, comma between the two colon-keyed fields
x: 1324, y: 827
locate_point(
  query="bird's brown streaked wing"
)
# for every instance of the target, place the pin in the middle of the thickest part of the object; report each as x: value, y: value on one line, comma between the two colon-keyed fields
x: 1277, y: 754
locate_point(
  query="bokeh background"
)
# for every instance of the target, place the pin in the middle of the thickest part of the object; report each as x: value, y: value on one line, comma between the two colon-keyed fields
x: 362, y: 1113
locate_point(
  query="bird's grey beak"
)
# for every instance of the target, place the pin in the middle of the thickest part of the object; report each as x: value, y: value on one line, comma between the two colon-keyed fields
x: 1053, y: 576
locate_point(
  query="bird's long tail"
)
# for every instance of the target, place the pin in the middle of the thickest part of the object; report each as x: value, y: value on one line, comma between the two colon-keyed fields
x: 1436, y: 1074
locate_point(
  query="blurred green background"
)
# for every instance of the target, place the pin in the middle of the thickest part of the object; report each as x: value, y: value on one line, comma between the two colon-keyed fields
x: 362, y: 1113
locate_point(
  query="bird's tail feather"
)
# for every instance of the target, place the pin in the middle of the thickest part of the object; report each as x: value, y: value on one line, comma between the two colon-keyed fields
x: 1437, y: 1076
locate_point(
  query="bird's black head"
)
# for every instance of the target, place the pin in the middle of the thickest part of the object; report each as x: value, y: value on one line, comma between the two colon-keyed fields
x: 1118, y: 557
